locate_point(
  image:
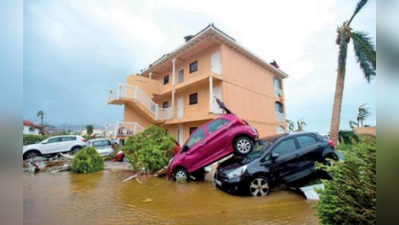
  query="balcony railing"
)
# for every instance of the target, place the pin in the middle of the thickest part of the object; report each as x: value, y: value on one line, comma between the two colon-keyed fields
x: 135, y: 94
x: 127, y: 129
x: 280, y: 117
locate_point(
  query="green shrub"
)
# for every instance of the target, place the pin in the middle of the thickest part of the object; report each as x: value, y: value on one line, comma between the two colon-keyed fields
x: 351, y: 197
x: 151, y: 149
x: 87, y: 160
x: 29, y: 139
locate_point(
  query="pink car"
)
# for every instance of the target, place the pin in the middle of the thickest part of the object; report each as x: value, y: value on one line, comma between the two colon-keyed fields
x: 213, y: 141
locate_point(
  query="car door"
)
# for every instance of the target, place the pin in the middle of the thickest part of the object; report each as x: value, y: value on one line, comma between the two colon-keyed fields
x: 67, y: 143
x: 99, y: 146
x: 309, y: 146
x: 216, y: 144
x: 51, y: 146
x: 195, y: 144
x: 287, y: 163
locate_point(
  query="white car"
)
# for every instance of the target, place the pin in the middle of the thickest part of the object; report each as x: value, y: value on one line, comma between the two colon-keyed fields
x: 102, y: 145
x: 54, y: 145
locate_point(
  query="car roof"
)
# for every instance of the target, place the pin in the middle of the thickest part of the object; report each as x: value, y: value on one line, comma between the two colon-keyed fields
x: 274, y: 138
x: 100, y: 139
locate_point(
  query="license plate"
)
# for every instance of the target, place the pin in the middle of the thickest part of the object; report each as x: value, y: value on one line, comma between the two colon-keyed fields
x: 218, y: 182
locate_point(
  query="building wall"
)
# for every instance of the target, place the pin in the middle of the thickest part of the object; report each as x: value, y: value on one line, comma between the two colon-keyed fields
x: 26, y: 130
x: 367, y: 131
x: 149, y: 86
x: 132, y: 115
x: 248, y: 91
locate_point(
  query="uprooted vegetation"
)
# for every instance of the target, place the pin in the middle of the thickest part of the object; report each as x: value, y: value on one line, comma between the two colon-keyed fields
x: 150, y: 150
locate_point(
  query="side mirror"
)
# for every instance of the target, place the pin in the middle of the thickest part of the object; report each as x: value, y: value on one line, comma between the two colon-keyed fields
x: 185, y: 148
x: 44, y: 142
x: 275, y: 156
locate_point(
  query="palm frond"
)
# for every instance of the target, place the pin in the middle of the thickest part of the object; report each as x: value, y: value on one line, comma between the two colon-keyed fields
x: 366, y: 54
x: 359, y: 7
x: 348, y: 137
x: 352, y: 124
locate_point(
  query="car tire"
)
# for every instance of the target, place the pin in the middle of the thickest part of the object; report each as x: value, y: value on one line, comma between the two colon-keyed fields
x: 243, y: 146
x: 75, y: 150
x: 31, y: 155
x: 181, y: 174
x: 259, y: 186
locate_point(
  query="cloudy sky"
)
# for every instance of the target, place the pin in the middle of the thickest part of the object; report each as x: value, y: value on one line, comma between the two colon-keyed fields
x: 75, y: 51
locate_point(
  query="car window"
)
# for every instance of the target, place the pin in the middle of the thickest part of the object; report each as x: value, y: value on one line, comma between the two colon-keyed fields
x: 107, y: 143
x: 196, y: 137
x: 54, y: 140
x: 285, y: 147
x: 68, y: 139
x: 98, y: 144
x: 306, y: 140
x: 215, y: 125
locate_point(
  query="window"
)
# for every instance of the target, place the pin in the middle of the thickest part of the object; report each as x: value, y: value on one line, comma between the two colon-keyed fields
x: 194, y: 67
x: 166, y: 80
x: 196, y: 137
x: 165, y: 105
x: 68, y: 139
x: 102, y: 143
x: 215, y: 125
x: 285, y: 147
x: 279, y: 107
x: 277, y: 83
x: 194, y: 99
x: 54, y: 140
x: 31, y: 129
x: 305, y: 141
x: 193, y: 129
x: 181, y: 76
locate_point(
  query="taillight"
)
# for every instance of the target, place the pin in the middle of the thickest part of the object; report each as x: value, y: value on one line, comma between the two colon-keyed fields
x: 331, y: 143
x: 84, y: 140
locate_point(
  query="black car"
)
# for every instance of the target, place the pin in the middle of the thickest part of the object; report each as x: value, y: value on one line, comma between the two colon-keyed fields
x: 274, y: 160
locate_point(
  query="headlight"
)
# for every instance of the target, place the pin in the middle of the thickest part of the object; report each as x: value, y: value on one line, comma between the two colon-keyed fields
x: 237, y: 172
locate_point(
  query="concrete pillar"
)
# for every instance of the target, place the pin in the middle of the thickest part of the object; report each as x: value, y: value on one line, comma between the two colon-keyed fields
x: 173, y: 71
x: 150, y: 75
x: 173, y: 103
x: 211, y: 94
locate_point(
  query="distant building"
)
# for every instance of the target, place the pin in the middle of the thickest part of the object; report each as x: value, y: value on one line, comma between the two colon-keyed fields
x: 30, y: 128
x: 96, y: 132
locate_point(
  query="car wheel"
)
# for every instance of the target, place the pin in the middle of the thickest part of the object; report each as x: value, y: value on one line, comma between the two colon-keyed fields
x: 259, y: 186
x: 31, y: 155
x: 75, y: 150
x: 243, y: 146
x: 181, y: 175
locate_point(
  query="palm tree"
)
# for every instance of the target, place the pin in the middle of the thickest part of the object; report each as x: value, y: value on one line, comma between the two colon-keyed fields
x: 366, y: 56
x: 352, y: 124
x: 301, y: 125
x: 41, y: 115
x: 363, y: 114
x: 291, y: 126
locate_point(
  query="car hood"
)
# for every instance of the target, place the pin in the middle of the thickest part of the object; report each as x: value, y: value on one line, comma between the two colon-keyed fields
x: 232, y: 163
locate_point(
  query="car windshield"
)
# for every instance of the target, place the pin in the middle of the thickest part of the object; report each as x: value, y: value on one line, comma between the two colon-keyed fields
x: 260, y: 148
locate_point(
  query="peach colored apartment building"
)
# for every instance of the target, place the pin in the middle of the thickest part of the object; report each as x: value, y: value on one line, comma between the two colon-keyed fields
x: 177, y: 91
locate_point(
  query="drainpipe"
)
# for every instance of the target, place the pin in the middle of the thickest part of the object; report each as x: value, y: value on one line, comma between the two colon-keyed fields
x: 211, y: 94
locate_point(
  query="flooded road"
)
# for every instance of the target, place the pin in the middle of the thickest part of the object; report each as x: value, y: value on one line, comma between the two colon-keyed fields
x: 102, y: 198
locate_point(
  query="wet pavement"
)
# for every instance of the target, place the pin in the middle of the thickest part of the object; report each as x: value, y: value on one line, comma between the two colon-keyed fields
x: 102, y: 198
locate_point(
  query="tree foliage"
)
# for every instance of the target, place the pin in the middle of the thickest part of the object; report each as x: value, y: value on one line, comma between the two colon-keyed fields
x: 348, y: 137
x: 87, y: 160
x: 89, y: 129
x: 151, y: 149
x: 351, y: 197
x: 29, y: 139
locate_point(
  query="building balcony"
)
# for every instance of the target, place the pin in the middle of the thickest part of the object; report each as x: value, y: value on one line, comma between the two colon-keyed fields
x: 133, y: 95
x: 123, y: 129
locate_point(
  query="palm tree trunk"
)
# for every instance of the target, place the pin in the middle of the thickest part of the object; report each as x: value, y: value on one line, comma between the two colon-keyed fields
x: 339, y: 88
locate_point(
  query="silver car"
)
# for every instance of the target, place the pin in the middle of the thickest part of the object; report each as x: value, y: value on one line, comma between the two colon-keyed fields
x: 102, y: 145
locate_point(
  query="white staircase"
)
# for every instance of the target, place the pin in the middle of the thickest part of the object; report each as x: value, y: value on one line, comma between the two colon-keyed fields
x: 124, y: 129
x: 138, y: 96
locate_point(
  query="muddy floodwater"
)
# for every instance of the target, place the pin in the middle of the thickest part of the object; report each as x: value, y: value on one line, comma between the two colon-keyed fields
x: 102, y: 198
